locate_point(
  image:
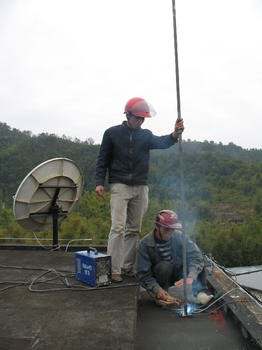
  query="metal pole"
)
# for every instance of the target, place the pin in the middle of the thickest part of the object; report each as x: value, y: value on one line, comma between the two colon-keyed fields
x: 55, y: 211
x: 55, y: 215
x: 176, y: 62
x: 181, y: 165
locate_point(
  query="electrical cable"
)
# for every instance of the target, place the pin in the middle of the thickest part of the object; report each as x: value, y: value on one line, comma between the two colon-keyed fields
x: 230, y: 272
x: 72, y: 287
x: 246, y: 273
x: 9, y: 287
x: 27, y: 268
x: 231, y: 302
x: 77, y: 239
x: 48, y: 249
x: 24, y: 283
x: 224, y: 269
x: 246, y: 290
x: 59, y: 246
x: 61, y: 275
x: 214, y: 302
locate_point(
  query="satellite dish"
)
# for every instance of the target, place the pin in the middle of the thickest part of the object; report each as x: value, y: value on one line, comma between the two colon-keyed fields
x: 47, y: 195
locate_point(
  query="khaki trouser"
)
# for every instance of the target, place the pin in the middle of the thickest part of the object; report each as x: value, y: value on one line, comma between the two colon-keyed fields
x: 128, y: 206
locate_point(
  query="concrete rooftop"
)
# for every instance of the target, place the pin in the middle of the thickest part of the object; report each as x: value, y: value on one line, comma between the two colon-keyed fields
x: 110, y: 318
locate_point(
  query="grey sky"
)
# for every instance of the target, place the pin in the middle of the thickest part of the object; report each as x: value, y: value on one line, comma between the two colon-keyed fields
x: 68, y: 67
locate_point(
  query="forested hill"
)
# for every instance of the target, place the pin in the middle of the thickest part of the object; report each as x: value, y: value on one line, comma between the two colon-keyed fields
x: 223, y: 185
x: 205, y: 162
x: 21, y: 151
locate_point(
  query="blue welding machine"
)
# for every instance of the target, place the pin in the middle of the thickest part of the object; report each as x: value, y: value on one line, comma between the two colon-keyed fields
x: 93, y: 268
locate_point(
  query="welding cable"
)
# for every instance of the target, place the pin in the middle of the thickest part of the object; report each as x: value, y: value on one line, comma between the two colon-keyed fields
x: 252, y: 294
x: 21, y: 267
x: 12, y: 282
x: 224, y: 268
x: 214, y: 302
x: 79, y: 288
x: 77, y: 239
x: 63, y: 276
x: 41, y: 245
x: 10, y: 287
x: 231, y: 273
x: 231, y: 302
x: 72, y: 287
x: 29, y: 268
x: 26, y: 283
x: 242, y: 287
x: 48, y: 249
x: 213, y: 262
x: 22, y: 284
x: 49, y: 281
x: 227, y: 272
x: 59, y: 246
x: 246, y: 273
x: 200, y: 309
x: 35, y: 280
x: 59, y: 275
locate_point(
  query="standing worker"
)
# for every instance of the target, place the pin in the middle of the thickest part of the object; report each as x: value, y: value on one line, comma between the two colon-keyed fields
x: 124, y: 153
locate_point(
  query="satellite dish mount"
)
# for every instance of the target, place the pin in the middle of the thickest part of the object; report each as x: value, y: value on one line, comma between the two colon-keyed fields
x: 55, y: 211
x: 47, y: 195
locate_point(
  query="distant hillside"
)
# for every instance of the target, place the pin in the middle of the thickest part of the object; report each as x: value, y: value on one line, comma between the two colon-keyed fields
x: 231, y: 150
x: 206, y: 163
x: 223, y: 186
x: 21, y: 151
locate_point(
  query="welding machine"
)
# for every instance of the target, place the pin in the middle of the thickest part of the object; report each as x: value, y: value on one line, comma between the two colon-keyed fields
x: 93, y: 268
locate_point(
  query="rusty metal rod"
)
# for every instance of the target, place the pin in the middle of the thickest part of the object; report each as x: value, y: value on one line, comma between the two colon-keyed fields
x: 181, y: 164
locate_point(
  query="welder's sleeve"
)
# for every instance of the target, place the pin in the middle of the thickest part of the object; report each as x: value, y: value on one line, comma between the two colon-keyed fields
x: 103, y: 159
x: 195, y: 260
x: 144, y: 271
x: 161, y: 142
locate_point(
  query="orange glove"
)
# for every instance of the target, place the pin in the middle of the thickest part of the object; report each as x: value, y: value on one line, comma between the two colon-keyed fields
x: 164, y: 298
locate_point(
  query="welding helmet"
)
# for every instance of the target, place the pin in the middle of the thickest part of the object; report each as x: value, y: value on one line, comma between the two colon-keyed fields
x: 167, y: 218
x: 138, y: 107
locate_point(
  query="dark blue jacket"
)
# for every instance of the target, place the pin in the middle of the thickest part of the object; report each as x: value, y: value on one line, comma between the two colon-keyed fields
x: 148, y: 257
x: 124, y: 152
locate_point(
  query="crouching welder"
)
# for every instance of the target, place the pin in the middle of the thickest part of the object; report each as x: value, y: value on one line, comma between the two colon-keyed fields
x: 160, y: 262
x: 124, y: 154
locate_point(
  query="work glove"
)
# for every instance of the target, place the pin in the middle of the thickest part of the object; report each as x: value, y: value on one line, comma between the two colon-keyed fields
x: 163, y: 298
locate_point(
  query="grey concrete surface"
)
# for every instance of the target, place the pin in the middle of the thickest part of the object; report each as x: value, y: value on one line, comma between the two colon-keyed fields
x: 95, y: 319
x: 161, y: 329
x: 68, y: 320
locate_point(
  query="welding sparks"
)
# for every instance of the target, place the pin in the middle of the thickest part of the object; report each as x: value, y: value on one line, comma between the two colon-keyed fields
x: 190, y: 309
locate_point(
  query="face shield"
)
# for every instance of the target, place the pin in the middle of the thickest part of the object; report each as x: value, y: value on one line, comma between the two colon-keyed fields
x: 139, y: 107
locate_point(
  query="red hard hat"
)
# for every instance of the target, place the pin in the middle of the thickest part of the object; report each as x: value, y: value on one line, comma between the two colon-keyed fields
x: 138, y: 107
x: 167, y: 218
